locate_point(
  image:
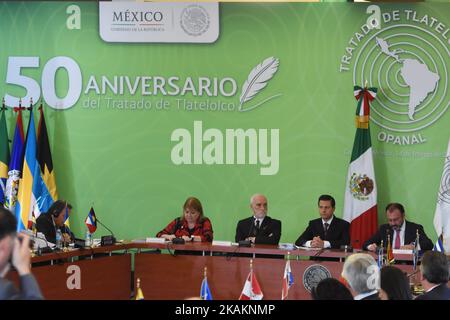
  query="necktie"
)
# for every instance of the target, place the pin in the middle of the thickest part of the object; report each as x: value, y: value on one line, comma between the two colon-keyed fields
x: 256, y: 228
x: 397, y: 240
x: 325, y: 230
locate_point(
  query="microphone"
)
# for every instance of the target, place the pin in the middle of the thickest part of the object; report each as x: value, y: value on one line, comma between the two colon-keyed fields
x: 109, y: 239
x: 33, y: 237
x: 248, y: 243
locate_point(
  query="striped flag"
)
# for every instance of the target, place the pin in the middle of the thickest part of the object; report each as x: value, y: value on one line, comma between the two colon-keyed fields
x: 288, y: 280
x: 4, y: 156
x: 360, y: 203
x: 380, y: 257
x: 44, y: 185
x: 439, y: 245
x: 25, y: 199
x: 442, y: 213
x: 251, y: 290
x: 91, y: 221
x: 16, y: 163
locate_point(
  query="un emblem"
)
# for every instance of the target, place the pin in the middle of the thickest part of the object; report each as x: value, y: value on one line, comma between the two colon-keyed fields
x: 313, y: 275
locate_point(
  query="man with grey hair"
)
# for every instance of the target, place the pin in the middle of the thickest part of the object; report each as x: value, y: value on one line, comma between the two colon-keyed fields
x: 260, y: 228
x: 435, y: 275
x: 362, y: 274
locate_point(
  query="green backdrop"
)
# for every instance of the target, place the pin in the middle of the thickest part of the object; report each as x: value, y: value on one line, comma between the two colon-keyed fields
x: 119, y: 160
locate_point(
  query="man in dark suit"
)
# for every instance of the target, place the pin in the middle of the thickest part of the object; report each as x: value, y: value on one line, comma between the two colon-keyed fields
x: 17, y: 253
x: 259, y: 229
x: 402, y: 233
x: 435, y: 275
x: 327, y: 231
x: 54, y: 219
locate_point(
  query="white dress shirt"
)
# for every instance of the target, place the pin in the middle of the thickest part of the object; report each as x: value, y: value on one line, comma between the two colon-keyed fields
x: 326, y: 244
x: 365, y: 294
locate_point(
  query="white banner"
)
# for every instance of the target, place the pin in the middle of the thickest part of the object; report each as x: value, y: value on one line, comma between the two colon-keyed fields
x: 159, y: 22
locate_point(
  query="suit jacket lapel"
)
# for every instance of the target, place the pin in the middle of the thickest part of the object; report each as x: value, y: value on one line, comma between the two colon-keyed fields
x: 410, y: 235
x: 331, y: 227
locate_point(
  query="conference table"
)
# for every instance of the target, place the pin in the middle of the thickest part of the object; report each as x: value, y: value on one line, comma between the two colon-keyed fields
x: 175, y: 271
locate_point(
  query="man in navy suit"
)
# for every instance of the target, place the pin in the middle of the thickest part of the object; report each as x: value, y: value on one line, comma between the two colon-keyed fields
x: 260, y: 228
x: 327, y: 231
x: 402, y: 233
x: 435, y: 275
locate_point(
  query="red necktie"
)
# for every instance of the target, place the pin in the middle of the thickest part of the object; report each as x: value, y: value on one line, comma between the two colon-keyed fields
x: 397, y: 240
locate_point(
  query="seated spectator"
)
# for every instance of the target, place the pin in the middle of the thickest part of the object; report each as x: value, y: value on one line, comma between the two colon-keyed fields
x: 15, y: 251
x: 435, y: 275
x: 394, y: 284
x: 362, y: 274
x: 331, y: 289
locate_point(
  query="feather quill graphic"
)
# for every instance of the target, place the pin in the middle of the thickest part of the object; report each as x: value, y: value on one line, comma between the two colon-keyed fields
x: 258, y: 79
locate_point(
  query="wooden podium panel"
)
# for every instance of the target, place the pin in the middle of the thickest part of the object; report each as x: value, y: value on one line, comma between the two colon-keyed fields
x: 179, y: 277
x: 102, y: 278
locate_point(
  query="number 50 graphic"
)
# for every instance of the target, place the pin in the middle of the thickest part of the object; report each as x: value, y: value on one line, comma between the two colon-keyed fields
x: 14, y: 76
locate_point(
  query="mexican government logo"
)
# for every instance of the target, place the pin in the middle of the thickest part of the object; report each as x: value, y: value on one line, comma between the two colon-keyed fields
x: 405, y: 55
x: 313, y: 275
x: 194, y: 20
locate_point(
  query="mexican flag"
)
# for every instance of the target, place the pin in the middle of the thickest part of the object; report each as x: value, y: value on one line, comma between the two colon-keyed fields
x: 360, y: 204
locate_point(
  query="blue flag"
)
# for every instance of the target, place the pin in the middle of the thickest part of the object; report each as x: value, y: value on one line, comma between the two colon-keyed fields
x: 15, y: 164
x: 205, y: 293
x: 439, y: 245
x: 4, y: 157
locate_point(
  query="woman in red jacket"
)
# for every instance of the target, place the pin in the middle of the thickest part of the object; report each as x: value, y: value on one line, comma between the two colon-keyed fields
x: 191, y: 226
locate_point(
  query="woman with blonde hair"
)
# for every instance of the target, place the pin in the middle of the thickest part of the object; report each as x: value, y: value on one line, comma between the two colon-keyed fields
x: 191, y: 226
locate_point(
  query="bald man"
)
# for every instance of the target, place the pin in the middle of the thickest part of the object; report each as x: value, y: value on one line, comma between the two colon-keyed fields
x: 260, y: 228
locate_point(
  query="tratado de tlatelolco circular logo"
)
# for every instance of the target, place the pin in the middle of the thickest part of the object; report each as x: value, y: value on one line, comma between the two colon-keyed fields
x: 194, y: 20
x: 408, y: 65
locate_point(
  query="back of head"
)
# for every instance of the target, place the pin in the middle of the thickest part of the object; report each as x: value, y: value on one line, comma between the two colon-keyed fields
x: 331, y: 289
x: 8, y: 223
x: 434, y: 267
x: 395, y: 283
x: 361, y: 272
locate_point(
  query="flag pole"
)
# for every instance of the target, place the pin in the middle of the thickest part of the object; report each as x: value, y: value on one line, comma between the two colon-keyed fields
x: 251, y: 279
x: 204, y: 294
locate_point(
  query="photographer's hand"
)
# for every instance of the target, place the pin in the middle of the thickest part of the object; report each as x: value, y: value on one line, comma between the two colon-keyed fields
x: 21, y: 254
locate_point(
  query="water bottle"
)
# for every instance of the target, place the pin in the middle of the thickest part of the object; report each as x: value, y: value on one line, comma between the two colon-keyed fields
x: 58, y: 239
x: 88, y: 239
